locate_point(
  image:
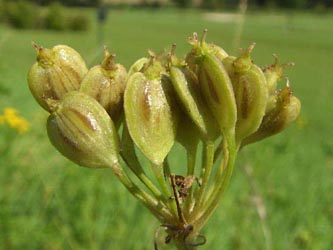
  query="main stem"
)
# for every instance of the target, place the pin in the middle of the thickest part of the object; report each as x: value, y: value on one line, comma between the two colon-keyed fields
x: 227, y: 165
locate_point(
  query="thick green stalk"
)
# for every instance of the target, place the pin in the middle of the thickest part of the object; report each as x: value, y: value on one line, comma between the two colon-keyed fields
x: 158, y: 171
x: 205, y: 174
x: 148, y: 201
x: 191, y: 161
x: 226, y: 165
x: 130, y: 158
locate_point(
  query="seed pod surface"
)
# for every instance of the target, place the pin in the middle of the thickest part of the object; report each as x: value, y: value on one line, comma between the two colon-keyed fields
x: 56, y: 72
x: 149, y: 116
x: 250, y: 88
x: 81, y: 130
x: 188, y: 91
x: 106, y: 83
x: 286, y: 111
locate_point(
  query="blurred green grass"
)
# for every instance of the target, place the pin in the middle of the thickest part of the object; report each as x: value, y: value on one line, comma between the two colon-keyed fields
x: 48, y: 203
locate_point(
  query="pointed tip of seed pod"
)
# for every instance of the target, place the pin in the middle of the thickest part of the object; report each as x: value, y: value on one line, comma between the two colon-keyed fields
x: 287, y: 82
x: 36, y: 47
x: 106, y: 51
x: 151, y: 53
x: 203, y: 37
x: 250, y: 48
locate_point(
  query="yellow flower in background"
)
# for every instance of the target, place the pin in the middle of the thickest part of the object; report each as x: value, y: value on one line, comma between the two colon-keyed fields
x: 10, y: 116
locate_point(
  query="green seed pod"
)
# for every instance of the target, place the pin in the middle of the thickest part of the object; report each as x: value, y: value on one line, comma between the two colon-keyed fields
x: 106, y: 83
x: 215, y: 85
x: 191, y: 57
x: 137, y: 66
x: 219, y: 52
x: 286, y: 111
x: 56, y: 72
x: 250, y: 88
x: 81, y: 130
x: 149, y: 113
x: 186, y: 85
x: 273, y: 74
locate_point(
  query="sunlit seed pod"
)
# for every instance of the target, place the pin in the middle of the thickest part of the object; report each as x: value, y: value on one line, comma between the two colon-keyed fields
x: 149, y: 112
x: 106, y: 83
x: 220, y: 53
x: 274, y: 73
x: 285, y: 111
x: 187, y: 88
x: 250, y: 88
x: 56, y: 72
x: 137, y: 66
x: 81, y: 130
x: 215, y: 85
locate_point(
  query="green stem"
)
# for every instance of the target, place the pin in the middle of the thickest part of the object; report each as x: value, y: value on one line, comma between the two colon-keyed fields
x: 205, y: 174
x: 129, y: 156
x: 148, y: 201
x: 191, y: 161
x: 226, y: 165
x: 158, y: 171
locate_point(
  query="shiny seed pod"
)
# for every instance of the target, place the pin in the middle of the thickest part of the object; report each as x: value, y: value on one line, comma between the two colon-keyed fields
x: 56, y: 72
x: 216, y: 86
x: 273, y: 74
x: 149, y: 112
x: 250, y: 88
x: 187, y: 88
x: 286, y: 111
x: 191, y: 57
x: 137, y: 66
x: 106, y: 83
x: 81, y: 130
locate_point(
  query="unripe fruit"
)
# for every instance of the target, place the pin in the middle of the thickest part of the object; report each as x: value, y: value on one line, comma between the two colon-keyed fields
x: 186, y: 85
x: 250, y: 90
x: 81, y: 130
x: 215, y: 85
x: 149, y: 112
x: 286, y: 111
x: 106, y: 83
x: 56, y: 72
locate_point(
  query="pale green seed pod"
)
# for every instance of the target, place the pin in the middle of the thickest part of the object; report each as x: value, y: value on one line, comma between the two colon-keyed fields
x: 216, y: 86
x: 286, y: 111
x: 251, y: 94
x: 149, y: 112
x: 81, y: 130
x: 56, y: 72
x: 106, y: 83
x: 273, y: 74
x: 186, y: 85
x: 137, y: 66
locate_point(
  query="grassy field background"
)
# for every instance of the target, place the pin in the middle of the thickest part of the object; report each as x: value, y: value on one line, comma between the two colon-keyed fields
x: 46, y: 202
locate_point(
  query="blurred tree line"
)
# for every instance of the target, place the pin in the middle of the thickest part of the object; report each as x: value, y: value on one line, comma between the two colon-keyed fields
x: 292, y: 4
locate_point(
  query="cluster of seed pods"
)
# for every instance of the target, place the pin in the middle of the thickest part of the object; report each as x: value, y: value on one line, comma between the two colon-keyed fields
x: 105, y: 116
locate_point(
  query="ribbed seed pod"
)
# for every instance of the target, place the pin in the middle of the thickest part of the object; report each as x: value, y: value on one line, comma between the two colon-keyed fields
x: 251, y: 93
x: 215, y: 85
x: 137, y: 66
x: 56, y: 72
x: 81, y: 130
x: 106, y: 83
x: 149, y: 112
x: 186, y: 85
x: 273, y: 74
x: 286, y: 111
